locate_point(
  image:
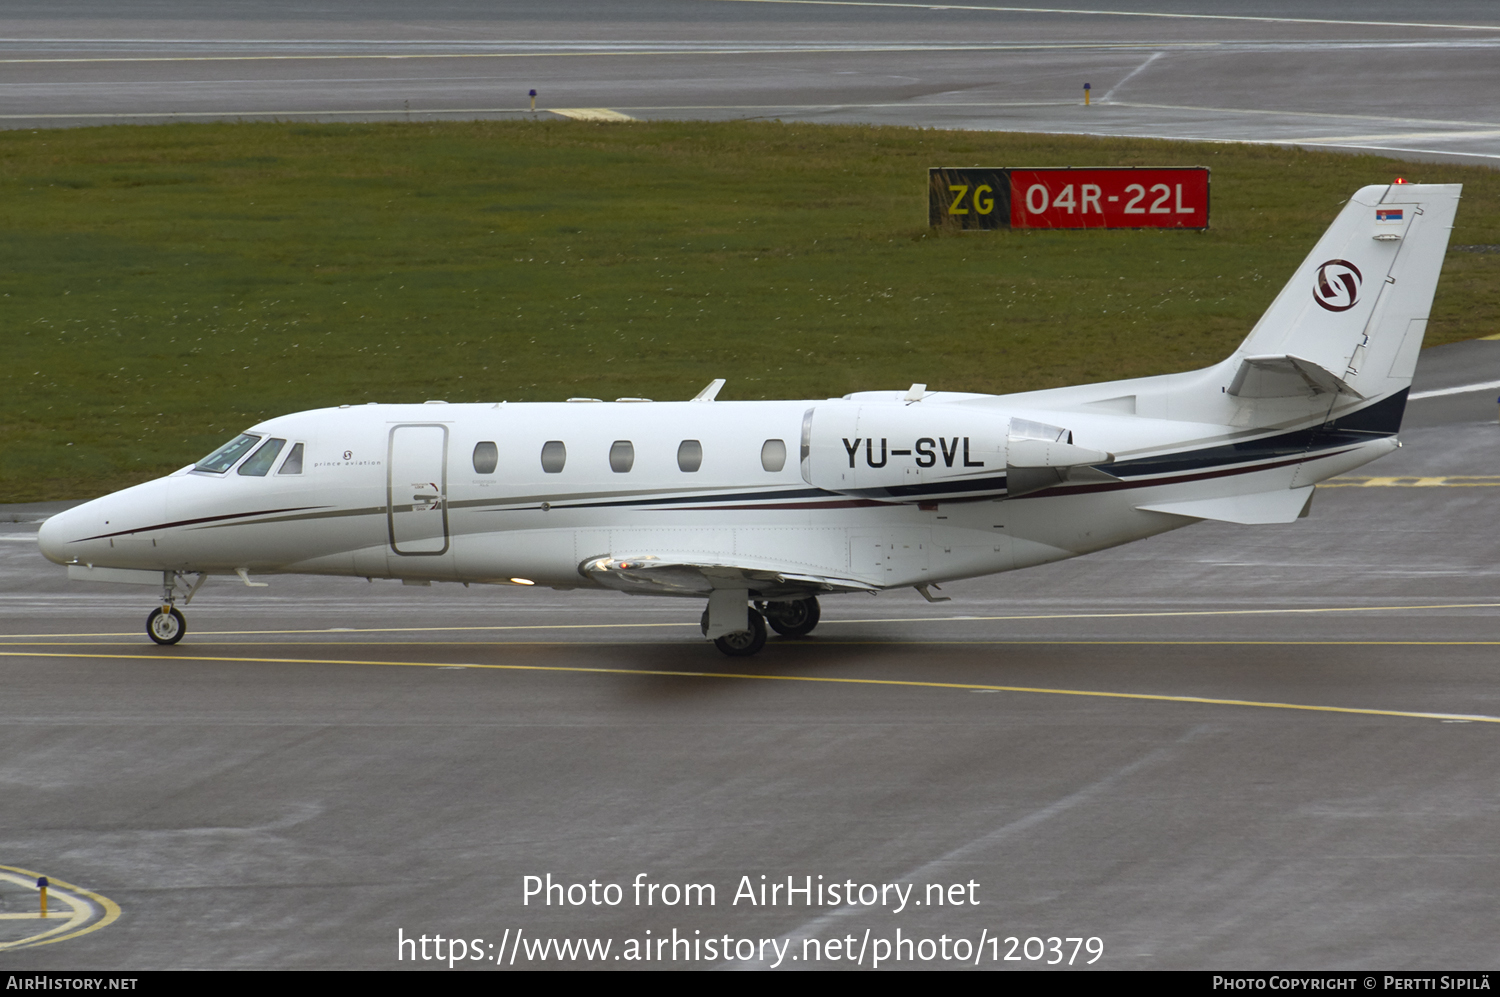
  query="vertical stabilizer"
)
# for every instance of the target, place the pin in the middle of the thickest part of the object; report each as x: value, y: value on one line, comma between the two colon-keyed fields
x: 1352, y: 318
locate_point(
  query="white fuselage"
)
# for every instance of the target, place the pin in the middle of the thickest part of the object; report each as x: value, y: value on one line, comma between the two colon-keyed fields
x: 397, y: 491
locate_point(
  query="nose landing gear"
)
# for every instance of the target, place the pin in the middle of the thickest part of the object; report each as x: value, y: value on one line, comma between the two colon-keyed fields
x: 165, y: 625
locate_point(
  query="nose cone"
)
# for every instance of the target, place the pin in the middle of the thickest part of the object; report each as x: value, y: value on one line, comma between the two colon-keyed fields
x: 101, y: 531
x: 54, y: 536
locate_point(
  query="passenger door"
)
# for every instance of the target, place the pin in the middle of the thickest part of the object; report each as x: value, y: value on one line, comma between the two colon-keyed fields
x: 417, y: 490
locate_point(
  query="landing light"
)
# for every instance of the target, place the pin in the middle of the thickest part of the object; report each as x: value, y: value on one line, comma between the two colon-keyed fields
x: 522, y: 581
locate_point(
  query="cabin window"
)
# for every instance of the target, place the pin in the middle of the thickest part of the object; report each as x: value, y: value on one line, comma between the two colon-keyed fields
x: 223, y: 458
x: 554, y: 456
x: 621, y: 456
x: 259, y: 464
x: 293, y: 462
x: 486, y: 458
x: 773, y: 455
x: 689, y: 455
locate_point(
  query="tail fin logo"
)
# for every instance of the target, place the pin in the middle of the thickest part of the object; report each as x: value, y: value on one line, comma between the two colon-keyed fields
x: 1337, y: 286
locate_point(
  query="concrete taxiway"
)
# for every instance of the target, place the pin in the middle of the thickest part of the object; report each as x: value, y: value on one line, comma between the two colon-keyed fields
x: 1389, y: 77
x: 1225, y: 747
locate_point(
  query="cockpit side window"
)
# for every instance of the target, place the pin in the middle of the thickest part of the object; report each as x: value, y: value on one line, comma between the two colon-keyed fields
x: 293, y: 462
x: 223, y: 458
x: 260, y: 462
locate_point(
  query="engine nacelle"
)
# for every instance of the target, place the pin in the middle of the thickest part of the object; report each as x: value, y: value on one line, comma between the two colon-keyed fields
x: 907, y: 452
x: 897, y: 452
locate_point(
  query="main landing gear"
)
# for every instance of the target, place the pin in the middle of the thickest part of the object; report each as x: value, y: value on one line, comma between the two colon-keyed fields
x: 743, y: 643
x: 166, y: 625
x: 795, y: 618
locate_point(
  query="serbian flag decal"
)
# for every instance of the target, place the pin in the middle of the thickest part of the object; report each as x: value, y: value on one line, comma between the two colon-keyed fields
x: 1388, y: 214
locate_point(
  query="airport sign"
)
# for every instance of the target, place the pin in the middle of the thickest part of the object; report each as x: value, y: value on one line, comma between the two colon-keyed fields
x: 1122, y: 197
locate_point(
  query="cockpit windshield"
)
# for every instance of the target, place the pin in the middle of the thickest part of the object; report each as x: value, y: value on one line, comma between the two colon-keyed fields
x: 223, y: 458
x: 258, y: 465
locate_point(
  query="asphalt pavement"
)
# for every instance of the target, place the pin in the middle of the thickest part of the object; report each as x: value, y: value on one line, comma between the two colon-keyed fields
x: 1224, y: 747
x: 1414, y: 81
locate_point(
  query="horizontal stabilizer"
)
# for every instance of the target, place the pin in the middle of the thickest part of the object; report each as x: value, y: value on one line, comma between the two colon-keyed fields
x: 1282, y: 506
x: 1284, y: 376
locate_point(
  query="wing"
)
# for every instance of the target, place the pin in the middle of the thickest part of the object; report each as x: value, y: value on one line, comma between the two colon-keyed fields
x: 651, y: 574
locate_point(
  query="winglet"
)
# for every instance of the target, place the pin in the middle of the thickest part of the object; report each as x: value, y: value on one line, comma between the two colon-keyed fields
x: 711, y: 392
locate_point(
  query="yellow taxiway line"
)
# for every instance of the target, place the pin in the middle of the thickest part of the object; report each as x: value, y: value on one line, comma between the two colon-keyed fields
x: 1414, y: 481
x: 9, y: 639
x: 832, y: 680
x: 82, y: 905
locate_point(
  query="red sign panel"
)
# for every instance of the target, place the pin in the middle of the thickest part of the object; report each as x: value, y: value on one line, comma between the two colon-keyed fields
x: 1109, y: 198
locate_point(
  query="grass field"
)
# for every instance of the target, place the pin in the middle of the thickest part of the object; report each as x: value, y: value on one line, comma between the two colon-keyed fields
x: 164, y: 287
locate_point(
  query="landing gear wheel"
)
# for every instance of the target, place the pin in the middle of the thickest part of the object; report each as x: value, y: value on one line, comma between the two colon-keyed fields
x: 793, y: 619
x: 165, y: 625
x: 743, y: 643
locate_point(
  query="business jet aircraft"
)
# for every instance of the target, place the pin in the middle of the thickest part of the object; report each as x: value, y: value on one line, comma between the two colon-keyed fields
x: 759, y: 508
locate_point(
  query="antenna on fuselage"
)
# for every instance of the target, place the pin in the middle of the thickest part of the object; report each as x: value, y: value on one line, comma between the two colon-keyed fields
x: 711, y: 392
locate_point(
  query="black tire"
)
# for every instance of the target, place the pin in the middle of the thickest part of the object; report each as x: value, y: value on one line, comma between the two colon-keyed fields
x: 743, y: 643
x: 793, y: 619
x: 165, y: 626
